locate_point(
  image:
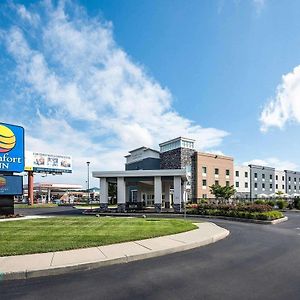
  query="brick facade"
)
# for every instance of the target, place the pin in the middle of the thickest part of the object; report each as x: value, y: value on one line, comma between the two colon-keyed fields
x: 210, y: 162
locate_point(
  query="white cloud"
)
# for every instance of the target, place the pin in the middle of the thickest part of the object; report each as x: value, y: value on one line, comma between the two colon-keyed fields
x: 286, y: 104
x: 87, y: 97
x: 273, y: 162
x: 259, y: 5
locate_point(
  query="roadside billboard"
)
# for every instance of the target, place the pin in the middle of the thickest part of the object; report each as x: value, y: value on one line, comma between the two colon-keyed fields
x: 11, y: 148
x: 11, y: 185
x: 48, y: 163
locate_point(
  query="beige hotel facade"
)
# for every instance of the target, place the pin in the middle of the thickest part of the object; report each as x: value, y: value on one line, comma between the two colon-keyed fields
x: 209, y: 169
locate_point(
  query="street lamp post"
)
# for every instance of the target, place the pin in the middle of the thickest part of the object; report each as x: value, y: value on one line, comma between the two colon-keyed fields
x: 88, y: 182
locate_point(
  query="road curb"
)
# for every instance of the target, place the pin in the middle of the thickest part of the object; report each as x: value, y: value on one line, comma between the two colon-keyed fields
x: 121, y: 260
x: 263, y: 222
x: 172, y: 215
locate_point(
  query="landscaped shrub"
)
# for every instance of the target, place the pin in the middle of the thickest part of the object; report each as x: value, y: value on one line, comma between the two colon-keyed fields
x: 297, y: 203
x: 232, y: 207
x: 259, y: 202
x: 248, y: 211
x: 281, y: 204
x: 201, y: 201
x: 271, y: 203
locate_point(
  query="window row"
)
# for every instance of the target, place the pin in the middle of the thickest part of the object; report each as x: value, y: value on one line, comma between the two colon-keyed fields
x: 263, y: 185
x: 204, y: 183
x: 204, y: 171
x: 295, y: 179
x: 237, y: 174
x: 263, y: 176
x: 237, y: 184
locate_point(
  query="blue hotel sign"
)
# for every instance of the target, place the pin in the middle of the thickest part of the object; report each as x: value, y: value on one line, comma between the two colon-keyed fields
x: 11, y: 185
x: 11, y: 148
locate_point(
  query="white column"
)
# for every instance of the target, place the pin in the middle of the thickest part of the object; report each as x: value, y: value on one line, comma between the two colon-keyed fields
x: 177, y: 194
x: 49, y: 196
x: 157, y: 193
x: 139, y: 197
x: 167, y: 195
x: 121, y: 193
x: 103, y: 194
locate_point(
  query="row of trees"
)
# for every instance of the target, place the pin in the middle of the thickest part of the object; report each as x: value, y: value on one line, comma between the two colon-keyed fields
x: 225, y: 192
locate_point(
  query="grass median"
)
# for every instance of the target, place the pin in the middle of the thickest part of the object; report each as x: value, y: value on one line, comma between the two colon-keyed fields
x: 56, y: 234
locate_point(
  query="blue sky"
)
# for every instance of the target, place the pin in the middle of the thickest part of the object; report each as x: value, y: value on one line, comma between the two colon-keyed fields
x: 95, y: 79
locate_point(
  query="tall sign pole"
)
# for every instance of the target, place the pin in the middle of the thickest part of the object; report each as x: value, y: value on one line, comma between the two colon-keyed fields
x: 88, y: 182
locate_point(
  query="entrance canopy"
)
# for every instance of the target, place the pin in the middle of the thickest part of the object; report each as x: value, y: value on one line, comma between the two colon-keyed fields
x: 142, y: 173
x: 143, y: 181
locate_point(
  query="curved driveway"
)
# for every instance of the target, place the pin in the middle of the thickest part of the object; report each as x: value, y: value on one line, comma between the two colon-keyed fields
x: 254, y: 262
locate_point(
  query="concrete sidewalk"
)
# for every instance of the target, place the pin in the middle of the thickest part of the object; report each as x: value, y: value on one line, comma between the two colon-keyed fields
x: 60, y: 262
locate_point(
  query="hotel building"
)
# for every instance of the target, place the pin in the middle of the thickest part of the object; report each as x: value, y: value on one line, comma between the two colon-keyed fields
x: 209, y: 169
x: 242, y: 181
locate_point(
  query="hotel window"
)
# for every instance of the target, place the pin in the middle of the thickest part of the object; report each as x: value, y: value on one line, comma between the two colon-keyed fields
x: 295, y: 188
x: 263, y: 176
x: 227, y: 172
x: 204, y: 182
x: 283, y: 186
x: 237, y: 173
x: 282, y: 178
x: 276, y: 186
x: 263, y: 185
x: 276, y: 177
x: 246, y: 185
x: 255, y: 185
x: 204, y: 170
x: 271, y: 176
x: 216, y: 171
x: 289, y: 178
x: 204, y: 196
x: 271, y: 185
x: 255, y: 175
x: 246, y: 174
x: 289, y: 187
x: 216, y: 182
x: 227, y: 183
x: 295, y: 179
x: 237, y: 184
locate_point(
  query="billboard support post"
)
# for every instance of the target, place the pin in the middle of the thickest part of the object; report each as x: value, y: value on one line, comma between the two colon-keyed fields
x: 30, y: 188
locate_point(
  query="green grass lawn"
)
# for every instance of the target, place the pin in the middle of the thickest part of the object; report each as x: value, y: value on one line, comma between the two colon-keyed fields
x: 54, y: 234
x: 45, y: 205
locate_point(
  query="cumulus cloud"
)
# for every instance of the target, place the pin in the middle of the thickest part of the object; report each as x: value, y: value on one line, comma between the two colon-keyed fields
x: 259, y: 5
x: 285, y: 106
x: 86, y: 96
x: 273, y: 162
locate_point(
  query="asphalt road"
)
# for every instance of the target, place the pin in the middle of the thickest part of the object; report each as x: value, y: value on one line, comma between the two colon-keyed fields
x: 254, y: 262
x: 53, y: 211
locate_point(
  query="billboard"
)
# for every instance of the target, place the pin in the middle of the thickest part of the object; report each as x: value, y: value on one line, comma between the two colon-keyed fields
x: 48, y: 163
x: 11, y: 148
x: 11, y: 185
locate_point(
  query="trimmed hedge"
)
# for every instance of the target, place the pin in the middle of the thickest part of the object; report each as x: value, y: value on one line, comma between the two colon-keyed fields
x: 251, y: 211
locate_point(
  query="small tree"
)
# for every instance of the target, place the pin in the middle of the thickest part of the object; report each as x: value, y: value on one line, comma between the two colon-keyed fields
x: 279, y: 195
x: 222, y: 192
x: 229, y: 191
x: 217, y: 191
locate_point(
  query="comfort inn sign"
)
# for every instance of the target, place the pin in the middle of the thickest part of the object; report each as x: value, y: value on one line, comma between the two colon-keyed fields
x: 11, y: 148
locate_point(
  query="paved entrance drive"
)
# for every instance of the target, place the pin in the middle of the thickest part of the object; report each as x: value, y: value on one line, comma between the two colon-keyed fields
x: 254, y: 262
x: 53, y: 263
